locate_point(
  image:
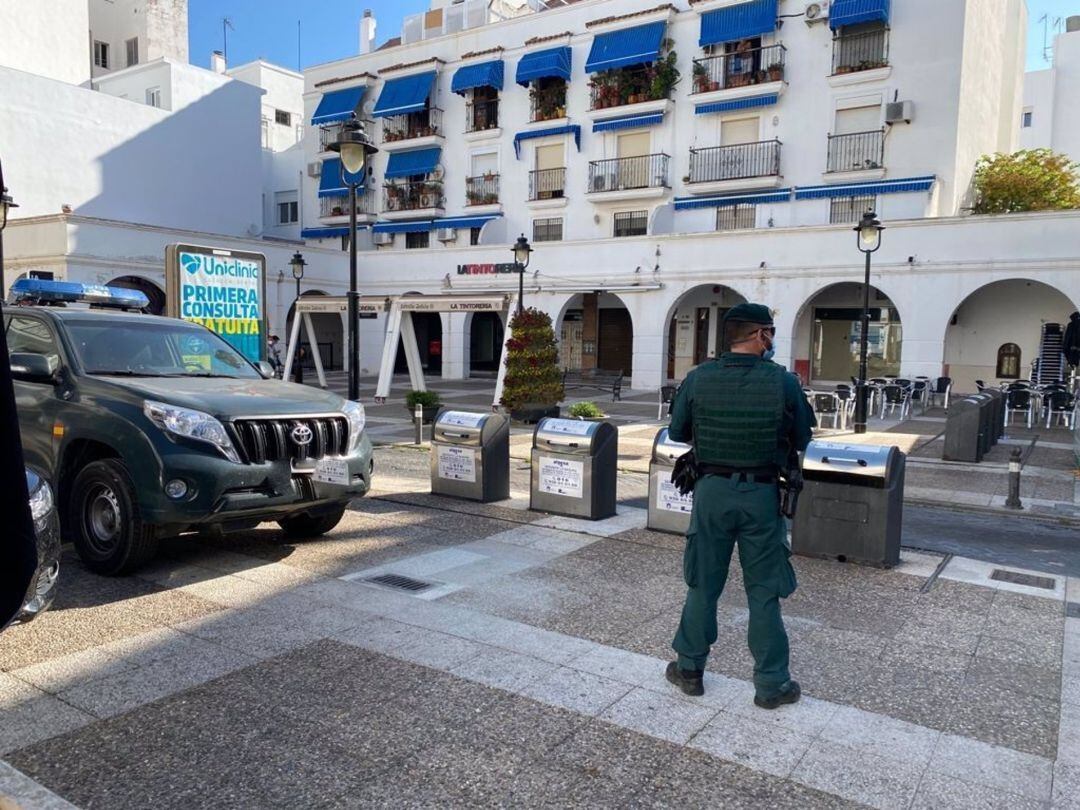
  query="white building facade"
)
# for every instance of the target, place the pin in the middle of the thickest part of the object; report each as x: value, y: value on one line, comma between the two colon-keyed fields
x: 1050, y: 117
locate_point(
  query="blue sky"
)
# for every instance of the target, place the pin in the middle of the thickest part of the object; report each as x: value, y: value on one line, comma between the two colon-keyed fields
x: 328, y: 28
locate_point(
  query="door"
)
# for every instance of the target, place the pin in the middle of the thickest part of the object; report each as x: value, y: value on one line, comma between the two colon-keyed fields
x: 615, y: 341
x: 570, y: 338
x: 633, y: 164
x: 701, y: 336
x: 550, y: 177
x: 37, y: 403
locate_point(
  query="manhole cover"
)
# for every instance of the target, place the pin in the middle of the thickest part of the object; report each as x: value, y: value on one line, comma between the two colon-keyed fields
x: 1032, y: 581
x: 402, y: 583
x: 1072, y: 610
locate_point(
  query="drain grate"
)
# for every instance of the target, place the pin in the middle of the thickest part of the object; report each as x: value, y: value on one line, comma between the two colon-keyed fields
x: 1072, y: 610
x: 400, y: 582
x: 1032, y: 581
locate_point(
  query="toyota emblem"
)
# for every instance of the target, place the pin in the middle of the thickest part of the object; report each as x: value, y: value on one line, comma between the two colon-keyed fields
x: 301, y: 435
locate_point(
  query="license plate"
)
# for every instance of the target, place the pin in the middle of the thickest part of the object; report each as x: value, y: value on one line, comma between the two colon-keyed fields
x: 332, y: 471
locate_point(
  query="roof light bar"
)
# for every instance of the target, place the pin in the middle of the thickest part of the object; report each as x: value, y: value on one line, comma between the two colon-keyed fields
x: 42, y: 291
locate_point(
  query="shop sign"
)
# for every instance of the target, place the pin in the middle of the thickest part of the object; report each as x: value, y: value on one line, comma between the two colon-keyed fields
x: 486, y: 269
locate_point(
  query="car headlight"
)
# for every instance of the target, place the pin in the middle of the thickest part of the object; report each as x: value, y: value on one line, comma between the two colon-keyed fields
x: 190, y: 424
x: 41, y: 504
x: 354, y: 412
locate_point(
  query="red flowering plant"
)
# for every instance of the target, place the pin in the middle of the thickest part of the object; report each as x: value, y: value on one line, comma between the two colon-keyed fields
x: 532, y: 362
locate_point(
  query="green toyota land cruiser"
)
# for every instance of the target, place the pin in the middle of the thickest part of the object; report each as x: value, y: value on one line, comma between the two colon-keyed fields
x: 152, y: 427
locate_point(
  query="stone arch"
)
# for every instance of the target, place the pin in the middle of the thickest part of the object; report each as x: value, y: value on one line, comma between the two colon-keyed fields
x: 693, y: 326
x: 147, y: 287
x: 605, y: 338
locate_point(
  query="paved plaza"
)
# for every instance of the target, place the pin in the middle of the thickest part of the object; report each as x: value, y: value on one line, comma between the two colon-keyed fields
x: 250, y: 671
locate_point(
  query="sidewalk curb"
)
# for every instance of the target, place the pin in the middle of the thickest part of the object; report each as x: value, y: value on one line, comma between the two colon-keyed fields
x: 1064, y: 520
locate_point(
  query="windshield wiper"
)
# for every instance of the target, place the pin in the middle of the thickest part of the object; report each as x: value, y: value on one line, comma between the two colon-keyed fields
x: 116, y: 372
x: 208, y: 374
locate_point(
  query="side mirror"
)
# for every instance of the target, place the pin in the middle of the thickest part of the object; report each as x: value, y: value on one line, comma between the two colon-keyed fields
x: 38, y: 368
x: 266, y: 370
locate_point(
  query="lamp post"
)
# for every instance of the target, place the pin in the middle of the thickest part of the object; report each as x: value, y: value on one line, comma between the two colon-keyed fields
x: 6, y: 204
x: 354, y: 147
x: 868, y: 238
x: 297, y: 264
x: 522, y: 249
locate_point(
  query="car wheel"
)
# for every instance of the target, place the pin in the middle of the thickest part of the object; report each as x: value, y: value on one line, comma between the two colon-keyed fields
x: 104, y: 520
x: 301, y: 526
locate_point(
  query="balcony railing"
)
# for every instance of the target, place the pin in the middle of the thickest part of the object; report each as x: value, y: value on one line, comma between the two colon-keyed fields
x: 412, y: 125
x: 857, y: 151
x: 481, y: 115
x: 620, y: 174
x: 329, y: 133
x: 739, y: 69
x: 548, y: 103
x: 339, y: 206
x: 547, y: 184
x: 737, y: 162
x: 412, y: 195
x: 862, y: 51
x: 482, y: 189
x: 615, y: 88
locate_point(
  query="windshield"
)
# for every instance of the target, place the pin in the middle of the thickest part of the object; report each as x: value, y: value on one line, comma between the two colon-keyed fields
x: 165, y: 348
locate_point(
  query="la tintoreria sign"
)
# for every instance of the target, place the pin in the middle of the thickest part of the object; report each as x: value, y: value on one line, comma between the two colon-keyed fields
x: 486, y: 269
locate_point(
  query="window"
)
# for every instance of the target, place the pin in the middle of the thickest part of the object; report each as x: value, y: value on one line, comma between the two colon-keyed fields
x: 547, y: 230
x: 132, y: 46
x: 631, y: 223
x: 849, y: 210
x: 264, y: 133
x: 1008, y: 362
x: 861, y: 47
x: 736, y: 217
x: 288, y: 207
x: 283, y: 118
x: 417, y: 240
x: 474, y: 236
x: 153, y: 96
x: 1025, y: 120
x: 31, y: 335
x: 744, y: 130
x: 101, y: 54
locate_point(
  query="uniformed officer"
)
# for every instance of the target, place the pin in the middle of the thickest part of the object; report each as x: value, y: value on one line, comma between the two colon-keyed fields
x: 744, y: 414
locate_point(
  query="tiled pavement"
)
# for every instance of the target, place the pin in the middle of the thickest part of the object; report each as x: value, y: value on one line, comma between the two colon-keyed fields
x: 254, y: 672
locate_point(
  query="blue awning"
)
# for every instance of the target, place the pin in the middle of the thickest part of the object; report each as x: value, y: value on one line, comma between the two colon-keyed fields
x: 416, y: 226
x: 733, y: 23
x: 338, y: 106
x: 628, y: 122
x: 853, y: 12
x: 568, y: 129
x: 781, y: 195
x: 737, y: 104
x: 405, y: 95
x: 323, y: 233
x: 465, y: 222
x: 626, y: 47
x: 901, y: 186
x: 418, y: 161
x: 554, y: 62
x: 482, y: 74
x: 331, y: 183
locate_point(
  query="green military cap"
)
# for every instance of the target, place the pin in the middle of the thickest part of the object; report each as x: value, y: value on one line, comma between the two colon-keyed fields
x: 750, y: 313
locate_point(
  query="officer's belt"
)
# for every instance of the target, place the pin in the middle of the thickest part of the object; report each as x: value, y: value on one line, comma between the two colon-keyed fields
x: 760, y: 475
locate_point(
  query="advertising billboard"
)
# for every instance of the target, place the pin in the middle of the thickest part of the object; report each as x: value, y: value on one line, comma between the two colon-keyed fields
x: 224, y: 290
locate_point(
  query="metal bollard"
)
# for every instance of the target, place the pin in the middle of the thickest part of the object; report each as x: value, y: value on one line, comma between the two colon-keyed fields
x: 418, y: 417
x: 1013, y: 501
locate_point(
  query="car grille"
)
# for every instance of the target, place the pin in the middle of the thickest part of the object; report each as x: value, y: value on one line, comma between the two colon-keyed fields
x: 262, y: 440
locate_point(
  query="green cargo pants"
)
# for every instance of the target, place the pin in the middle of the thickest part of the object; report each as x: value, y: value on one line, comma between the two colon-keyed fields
x: 729, y: 511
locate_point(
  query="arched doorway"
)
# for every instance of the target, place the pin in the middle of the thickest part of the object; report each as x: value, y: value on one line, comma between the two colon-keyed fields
x: 825, y: 346
x: 595, y: 331
x: 485, y: 344
x: 998, y: 328
x: 694, y: 332
x: 429, y: 332
x: 152, y: 291
x: 329, y: 335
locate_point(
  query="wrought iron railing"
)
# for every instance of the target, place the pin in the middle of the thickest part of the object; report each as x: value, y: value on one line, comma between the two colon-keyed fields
x: 482, y: 115
x: 548, y: 103
x: 339, y: 206
x: 735, y: 162
x: 412, y: 195
x: 862, y: 51
x: 547, y: 184
x: 329, y: 133
x: 739, y: 68
x: 618, y: 174
x: 412, y: 125
x: 616, y: 88
x: 482, y: 189
x: 856, y: 151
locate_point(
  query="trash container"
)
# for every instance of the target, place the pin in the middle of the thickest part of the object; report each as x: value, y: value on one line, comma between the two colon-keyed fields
x: 986, y: 423
x: 669, y: 511
x: 852, y: 504
x: 470, y: 456
x: 963, y: 426
x: 574, y: 468
x: 997, y: 414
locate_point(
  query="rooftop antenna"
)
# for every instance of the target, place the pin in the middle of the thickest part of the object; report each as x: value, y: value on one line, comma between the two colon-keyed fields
x: 298, y: 70
x: 1049, y: 23
x: 226, y: 26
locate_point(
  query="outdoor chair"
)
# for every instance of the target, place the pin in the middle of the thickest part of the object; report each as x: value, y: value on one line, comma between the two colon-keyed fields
x: 667, y: 396
x: 895, y: 396
x: 827, y: 404
x: 980, y: 385
x: 1018, y: 400
x: 919, y: 390
x: 1060, y: 403
x: 846, y: 396
x: 942, y: 387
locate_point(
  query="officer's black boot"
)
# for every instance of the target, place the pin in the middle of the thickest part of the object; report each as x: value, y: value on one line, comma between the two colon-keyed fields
x: 689, y: 680
x: 789, y: 693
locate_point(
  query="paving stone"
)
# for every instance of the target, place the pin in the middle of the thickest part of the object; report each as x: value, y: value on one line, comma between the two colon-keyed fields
x: 939, y: 792
x: 993, y: 766
x: 661, y: 716
x: 69, y: 670
x: 25, y: 792
x: 809, y: 716
x: 34, y: 715
x: 577, y: 691
x: 866, y: 777
x: 1042, y: 682
x: 620, y: 665
x: 881, y: 736
x: 1019, y: 652
x: 760, y: 746
x: 924, y: 656
x: 504, y: 670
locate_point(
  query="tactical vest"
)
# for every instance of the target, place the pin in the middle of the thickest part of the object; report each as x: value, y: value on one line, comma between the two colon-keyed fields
x: 737, y: 413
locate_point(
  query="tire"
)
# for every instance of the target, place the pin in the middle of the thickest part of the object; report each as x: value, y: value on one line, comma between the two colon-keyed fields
x: 305, y: 526
x: 104, y: 521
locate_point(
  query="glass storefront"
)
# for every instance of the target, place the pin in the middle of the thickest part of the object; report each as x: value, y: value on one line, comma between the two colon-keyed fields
x: 835, y: 350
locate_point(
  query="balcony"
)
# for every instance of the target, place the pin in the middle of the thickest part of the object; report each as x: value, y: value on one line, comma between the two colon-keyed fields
x: 547, y: 103
x: 733, y: 168
x: 856, y: 156
x: 423, y: 128
x: 751, y: 72
x: 865, y: 53
x: 482, y: 191
x: 330, y: 133
x: 482, y: 117
x: 335, y: 210
x: 411, y: 199
x: 547, y: 188
x: 628, y: 178
x: 630, y: 90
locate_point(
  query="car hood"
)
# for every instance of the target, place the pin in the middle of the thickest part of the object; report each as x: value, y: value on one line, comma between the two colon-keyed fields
x: 229, y: 398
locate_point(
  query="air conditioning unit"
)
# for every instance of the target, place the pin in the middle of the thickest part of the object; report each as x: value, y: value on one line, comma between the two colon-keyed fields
x: 314, y: 169
x: 382, y: 238
x: 600, y: 183
x: 817, y: 11
x: 446, y: 234
x: 899, y: 112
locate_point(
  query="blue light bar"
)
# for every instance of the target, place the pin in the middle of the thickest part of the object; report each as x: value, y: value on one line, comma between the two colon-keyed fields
x: 42, y: 291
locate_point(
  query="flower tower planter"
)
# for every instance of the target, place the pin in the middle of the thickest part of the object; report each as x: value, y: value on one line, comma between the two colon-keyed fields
x: 532, y: 386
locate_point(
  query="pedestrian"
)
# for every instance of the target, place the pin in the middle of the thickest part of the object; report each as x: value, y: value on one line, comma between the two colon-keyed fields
x: 745, y: 416
x: 273, y: 354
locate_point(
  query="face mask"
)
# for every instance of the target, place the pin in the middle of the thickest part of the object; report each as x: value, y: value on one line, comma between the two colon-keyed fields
x: 769, y: 352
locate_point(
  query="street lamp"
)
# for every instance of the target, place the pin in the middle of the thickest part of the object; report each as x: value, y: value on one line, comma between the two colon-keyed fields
x: 6, y: 204
x: 521, y: 250
x: 868, y: 238
x: 298, y: 264
x: 354, y: 147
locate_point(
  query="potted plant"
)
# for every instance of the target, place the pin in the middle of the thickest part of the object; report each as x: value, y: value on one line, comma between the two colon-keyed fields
x: 429, y: 401
x: 776, y: 71
x: 532, y: 387
x: 587, y: 411
x: 701, y: 78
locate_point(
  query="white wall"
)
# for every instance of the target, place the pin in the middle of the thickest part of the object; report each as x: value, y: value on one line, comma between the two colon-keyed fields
x: 132, y: 83
x: 1053, y: 95
x: 1039, y: 88
x: 160, y: 26
x: 47, y: 39
x: 283, y: 90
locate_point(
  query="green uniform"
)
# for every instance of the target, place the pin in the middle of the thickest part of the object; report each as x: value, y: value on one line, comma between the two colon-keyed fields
x: 740, y: 412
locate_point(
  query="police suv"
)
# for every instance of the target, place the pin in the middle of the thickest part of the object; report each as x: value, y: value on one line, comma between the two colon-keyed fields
x: 153, y: 427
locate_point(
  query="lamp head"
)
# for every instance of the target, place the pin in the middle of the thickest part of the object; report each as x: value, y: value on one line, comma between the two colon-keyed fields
x: 6, y: 204
x: 297, y: 264
x: 521, y: 250
x: 868, y: 232
x: 354, y: 146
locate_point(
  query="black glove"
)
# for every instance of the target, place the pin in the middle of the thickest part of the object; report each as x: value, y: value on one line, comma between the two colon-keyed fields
x: 685, y: 474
